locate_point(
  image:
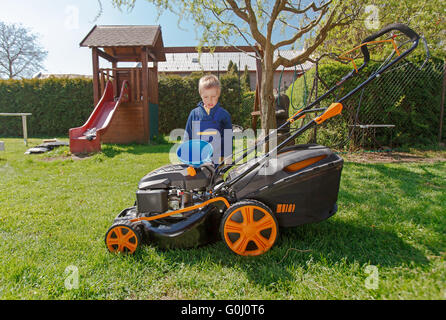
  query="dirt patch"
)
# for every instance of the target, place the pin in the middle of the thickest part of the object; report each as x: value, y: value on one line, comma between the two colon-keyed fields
x: 394, y: 157
x: 81, y: 156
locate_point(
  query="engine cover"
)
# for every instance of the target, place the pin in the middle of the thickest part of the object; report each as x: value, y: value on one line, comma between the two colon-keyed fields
x: 177, y: 176
x: 151, y: 201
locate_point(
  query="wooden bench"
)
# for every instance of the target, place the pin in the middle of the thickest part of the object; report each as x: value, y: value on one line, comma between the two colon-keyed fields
x: 365, y: 127
x: 24, y: 125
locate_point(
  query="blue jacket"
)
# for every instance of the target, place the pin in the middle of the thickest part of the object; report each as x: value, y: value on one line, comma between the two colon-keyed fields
x: 202, y: 126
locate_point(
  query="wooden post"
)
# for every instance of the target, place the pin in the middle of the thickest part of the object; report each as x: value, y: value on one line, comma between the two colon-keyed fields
x: 24, y: 126
x: 102, y: 83
x: 153, y: 100
x: 153, y: 80
x: 95, y: 75
x: 138, y: 85
x: 440, y: 132
x: 25, y: 129
x: 256, y: 111
x: 145, y: 92
x: 132, y: 85
x: 115, y: 79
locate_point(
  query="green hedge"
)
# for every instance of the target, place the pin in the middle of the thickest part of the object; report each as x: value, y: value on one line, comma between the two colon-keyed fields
x: 414, y: 111
x: 60, y: 104
x: 56, y: 105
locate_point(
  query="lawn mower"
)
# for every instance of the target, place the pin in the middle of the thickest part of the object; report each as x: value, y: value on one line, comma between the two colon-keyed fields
x: 194, y: 203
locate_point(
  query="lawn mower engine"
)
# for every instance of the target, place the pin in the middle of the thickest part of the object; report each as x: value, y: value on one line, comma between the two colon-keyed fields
x: 164, y: 190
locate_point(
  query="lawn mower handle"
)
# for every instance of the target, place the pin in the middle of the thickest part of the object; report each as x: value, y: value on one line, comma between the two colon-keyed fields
x: 414, y: 37
x: 396, y: 26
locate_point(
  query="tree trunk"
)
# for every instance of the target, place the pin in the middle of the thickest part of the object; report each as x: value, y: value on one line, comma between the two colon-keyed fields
x: 268, y: 119
x: 11, y: 75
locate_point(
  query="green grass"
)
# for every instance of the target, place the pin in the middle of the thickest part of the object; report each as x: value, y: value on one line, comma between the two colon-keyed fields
x: 54, y: 214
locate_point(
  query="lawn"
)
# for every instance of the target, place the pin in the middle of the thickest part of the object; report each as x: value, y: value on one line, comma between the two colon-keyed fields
x: 387, y: 240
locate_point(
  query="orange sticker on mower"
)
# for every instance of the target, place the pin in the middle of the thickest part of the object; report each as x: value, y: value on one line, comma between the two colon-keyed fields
x: 285, y: 208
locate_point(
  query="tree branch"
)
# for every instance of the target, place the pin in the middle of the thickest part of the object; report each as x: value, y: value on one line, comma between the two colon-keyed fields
x: 330, y: 24
x: 278, y: 7
x: 318, y: 40
x: 324, y: 9
x: 20, y: 53
x: 312, y: 5
x: 250, y: 18
x: 233, y: 25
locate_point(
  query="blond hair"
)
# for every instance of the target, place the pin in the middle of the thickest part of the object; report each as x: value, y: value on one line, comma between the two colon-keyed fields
x: 208, y: 82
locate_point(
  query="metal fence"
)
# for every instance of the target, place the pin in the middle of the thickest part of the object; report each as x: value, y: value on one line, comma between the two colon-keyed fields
x: 401, y: 107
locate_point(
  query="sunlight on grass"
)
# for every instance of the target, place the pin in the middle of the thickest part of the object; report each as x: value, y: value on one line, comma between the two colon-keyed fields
x: 55, y: 211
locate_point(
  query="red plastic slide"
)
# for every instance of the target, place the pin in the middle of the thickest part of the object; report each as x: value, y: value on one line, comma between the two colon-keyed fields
x: 87, y: 139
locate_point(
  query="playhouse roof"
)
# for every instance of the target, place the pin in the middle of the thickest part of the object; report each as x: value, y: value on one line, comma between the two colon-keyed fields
x: 121, y: 36
x: 125, y: 40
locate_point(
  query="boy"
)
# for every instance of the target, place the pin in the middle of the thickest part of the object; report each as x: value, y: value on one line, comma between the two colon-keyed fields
x: 209, y: 121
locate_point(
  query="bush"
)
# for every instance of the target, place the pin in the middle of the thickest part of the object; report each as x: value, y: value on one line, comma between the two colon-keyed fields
x: 56, y: 105
x: 405, y: 97
x: 60, y: 104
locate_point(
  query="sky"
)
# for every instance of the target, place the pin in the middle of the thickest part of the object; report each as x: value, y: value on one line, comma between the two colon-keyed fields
x: 62, y: 24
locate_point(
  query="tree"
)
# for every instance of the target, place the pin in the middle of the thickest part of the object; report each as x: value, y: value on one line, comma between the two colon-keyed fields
x: 424, y: 17
x: 232, y: 67
x: 246, y: 81
x: 259, y: 23
x: 21, y: 55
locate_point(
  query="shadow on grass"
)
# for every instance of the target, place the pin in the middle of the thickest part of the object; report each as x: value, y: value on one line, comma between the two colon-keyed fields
x: 327, y: 245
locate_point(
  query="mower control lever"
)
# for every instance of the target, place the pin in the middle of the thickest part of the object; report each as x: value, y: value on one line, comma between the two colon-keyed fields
x: 333, y: 110
x: 395, y: 26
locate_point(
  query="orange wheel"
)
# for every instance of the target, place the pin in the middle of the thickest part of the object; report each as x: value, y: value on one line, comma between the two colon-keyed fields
x: 122, y: 238
x: 249, y: 228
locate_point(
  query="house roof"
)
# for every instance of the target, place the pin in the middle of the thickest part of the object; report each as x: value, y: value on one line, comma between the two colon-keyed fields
x: 121, y: 36
x: 208, y: 62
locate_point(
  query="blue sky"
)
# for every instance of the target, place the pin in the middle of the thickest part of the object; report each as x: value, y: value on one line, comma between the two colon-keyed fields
x: 62, y: 24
